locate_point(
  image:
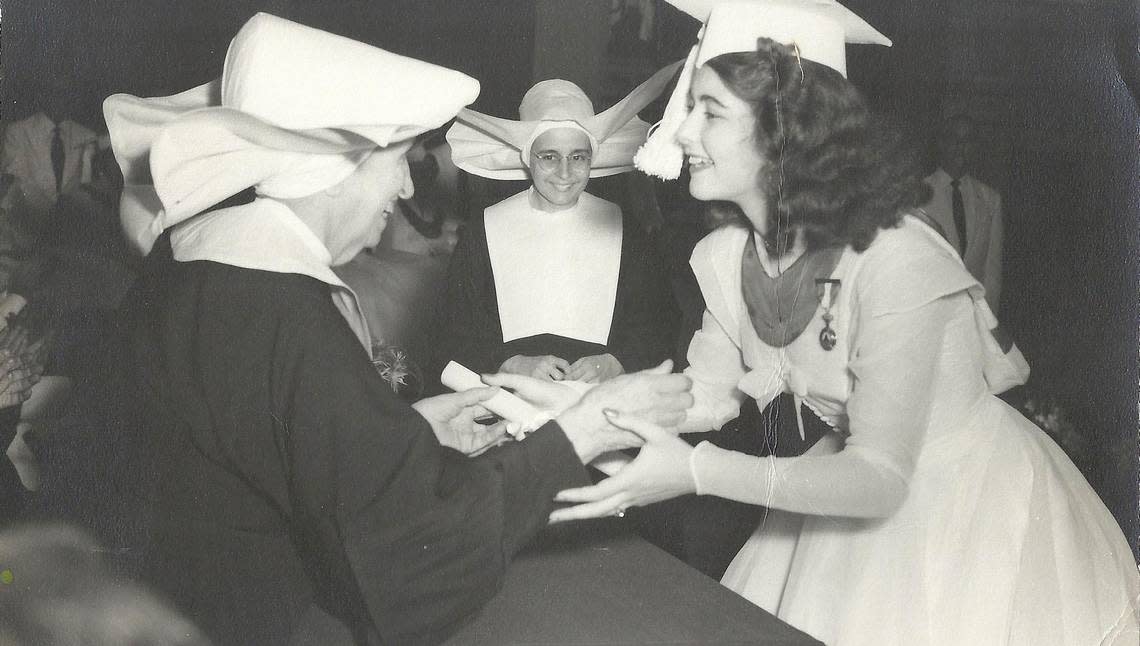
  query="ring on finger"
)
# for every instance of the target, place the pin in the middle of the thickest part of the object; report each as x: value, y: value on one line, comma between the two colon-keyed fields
x: 620, y: 512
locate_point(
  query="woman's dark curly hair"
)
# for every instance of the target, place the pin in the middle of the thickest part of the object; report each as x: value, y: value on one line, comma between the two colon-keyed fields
x: 834, y: 172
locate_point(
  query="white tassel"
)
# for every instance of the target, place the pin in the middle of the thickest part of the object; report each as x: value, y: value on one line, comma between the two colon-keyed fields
x: 661, y: 155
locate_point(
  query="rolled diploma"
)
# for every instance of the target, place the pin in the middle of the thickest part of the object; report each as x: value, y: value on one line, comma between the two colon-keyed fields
x: 504, y: 404
x: 513, y: 408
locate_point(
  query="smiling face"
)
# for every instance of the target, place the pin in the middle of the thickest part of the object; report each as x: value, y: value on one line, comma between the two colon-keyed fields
x: 559, y: 168
x: 719, y: 141
x: 366, y: 199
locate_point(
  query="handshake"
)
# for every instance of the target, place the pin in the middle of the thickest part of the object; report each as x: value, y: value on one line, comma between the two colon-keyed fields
x: 655, y: 395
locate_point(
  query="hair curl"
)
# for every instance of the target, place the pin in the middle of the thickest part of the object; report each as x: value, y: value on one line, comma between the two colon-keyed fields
x: 835, y: 173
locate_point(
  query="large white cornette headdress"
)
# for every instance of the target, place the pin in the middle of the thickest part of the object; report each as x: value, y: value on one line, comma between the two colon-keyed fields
x: 295, y: 111
x: 500, y: 148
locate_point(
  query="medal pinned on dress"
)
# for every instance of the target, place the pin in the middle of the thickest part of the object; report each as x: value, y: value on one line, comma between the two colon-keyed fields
x: 830, y: 286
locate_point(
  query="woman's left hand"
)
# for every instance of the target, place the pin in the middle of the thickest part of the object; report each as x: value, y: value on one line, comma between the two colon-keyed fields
x: 452, y: 418
x: 659, y: 472
x: 595, y: 369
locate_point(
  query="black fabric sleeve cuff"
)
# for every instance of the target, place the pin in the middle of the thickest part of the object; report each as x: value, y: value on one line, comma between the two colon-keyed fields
x: 534, y: 470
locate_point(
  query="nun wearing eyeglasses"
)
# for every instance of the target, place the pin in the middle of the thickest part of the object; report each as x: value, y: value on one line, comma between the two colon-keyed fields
x: 291, y: 494
x: 552, y: 282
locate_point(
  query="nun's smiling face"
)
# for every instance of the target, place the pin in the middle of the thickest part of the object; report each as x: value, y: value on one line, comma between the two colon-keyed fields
x: 559, y: 168
x: 365, y: 201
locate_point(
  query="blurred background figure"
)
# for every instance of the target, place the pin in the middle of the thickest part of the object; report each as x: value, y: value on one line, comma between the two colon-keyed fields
x: 49, y: 153
x: 64, y: 267
x: 23, y: 354
x: 631, y: 27
x: 967, y: 209
x: 56, y: 590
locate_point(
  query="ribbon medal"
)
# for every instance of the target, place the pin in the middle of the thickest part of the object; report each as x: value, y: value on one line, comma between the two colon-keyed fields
x: 828, y: 288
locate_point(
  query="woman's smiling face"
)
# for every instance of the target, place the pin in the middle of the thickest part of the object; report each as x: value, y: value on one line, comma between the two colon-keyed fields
x: 719, y: 142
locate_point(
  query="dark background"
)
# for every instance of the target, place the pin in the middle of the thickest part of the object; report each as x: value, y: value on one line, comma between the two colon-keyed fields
x: 1053, y: 84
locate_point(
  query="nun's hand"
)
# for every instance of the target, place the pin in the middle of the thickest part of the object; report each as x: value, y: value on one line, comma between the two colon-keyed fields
x: 548, y: 367
x: 659, y: 472
x: 548, y: 396
x: 595, y: 369
x: 656, y: 394
x: 452, y: 418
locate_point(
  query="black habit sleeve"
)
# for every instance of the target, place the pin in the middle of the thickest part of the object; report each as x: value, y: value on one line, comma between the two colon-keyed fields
x: 641, y: 333
x: 401, y: 538
x: 422, y: 532
x: 469, y: 329
x: 645, y: 315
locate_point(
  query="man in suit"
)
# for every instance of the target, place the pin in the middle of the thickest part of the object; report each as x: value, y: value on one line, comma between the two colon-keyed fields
x: 48, y: 156
x: 968, y: 210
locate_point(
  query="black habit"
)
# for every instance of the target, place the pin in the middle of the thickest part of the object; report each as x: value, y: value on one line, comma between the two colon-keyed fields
x: 285, y: 473
x: 641, y: 332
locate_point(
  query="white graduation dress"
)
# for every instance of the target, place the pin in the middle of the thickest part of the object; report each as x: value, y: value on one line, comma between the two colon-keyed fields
x: 941, y: 515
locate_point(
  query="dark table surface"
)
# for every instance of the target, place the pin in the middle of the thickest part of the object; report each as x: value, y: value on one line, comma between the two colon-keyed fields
x: 596, y: 583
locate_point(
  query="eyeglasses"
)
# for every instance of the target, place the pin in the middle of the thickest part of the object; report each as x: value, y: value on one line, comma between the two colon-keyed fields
x: 550, y: 162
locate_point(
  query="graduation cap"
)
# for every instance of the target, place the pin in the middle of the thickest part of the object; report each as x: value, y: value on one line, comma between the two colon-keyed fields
x: 818, y: 30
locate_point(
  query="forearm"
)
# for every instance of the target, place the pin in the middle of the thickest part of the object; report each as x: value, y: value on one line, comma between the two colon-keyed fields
x: 533, y: 471
x: 849, y: 483
x: 435, y: 546
x: 715, y: 368
x: 714, y: 405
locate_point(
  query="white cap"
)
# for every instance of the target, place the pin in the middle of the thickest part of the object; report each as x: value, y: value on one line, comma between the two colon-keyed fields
x: 295, y: 111
x: 818, y: 29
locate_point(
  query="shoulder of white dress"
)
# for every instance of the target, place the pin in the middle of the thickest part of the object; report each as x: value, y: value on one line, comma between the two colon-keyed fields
x: 909, y: 265
x: 718, y: 243
x: 903, y: 246
x: 912, y: 237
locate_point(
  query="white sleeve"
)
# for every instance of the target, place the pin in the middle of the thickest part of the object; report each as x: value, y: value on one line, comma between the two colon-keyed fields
x: 715, y: 366
x: 888, y: 411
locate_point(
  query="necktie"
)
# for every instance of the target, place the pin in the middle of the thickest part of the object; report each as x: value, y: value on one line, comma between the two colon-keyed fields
x: 959, y: 214
x: 57, y: 158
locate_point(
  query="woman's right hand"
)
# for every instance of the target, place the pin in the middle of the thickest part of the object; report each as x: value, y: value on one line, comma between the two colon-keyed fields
x: 548, y: 367
x: 656, y: 395
x: 659, y: 472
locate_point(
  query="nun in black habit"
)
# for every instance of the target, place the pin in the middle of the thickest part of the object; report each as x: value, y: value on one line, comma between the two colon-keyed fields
x: 292, y: 492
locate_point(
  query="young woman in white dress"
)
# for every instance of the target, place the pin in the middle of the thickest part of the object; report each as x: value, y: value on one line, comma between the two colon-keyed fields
x: 935, y: 513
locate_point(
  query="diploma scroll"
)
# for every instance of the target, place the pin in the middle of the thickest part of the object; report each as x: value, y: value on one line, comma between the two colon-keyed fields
x: 514, y: 409
x: 506, y: 405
